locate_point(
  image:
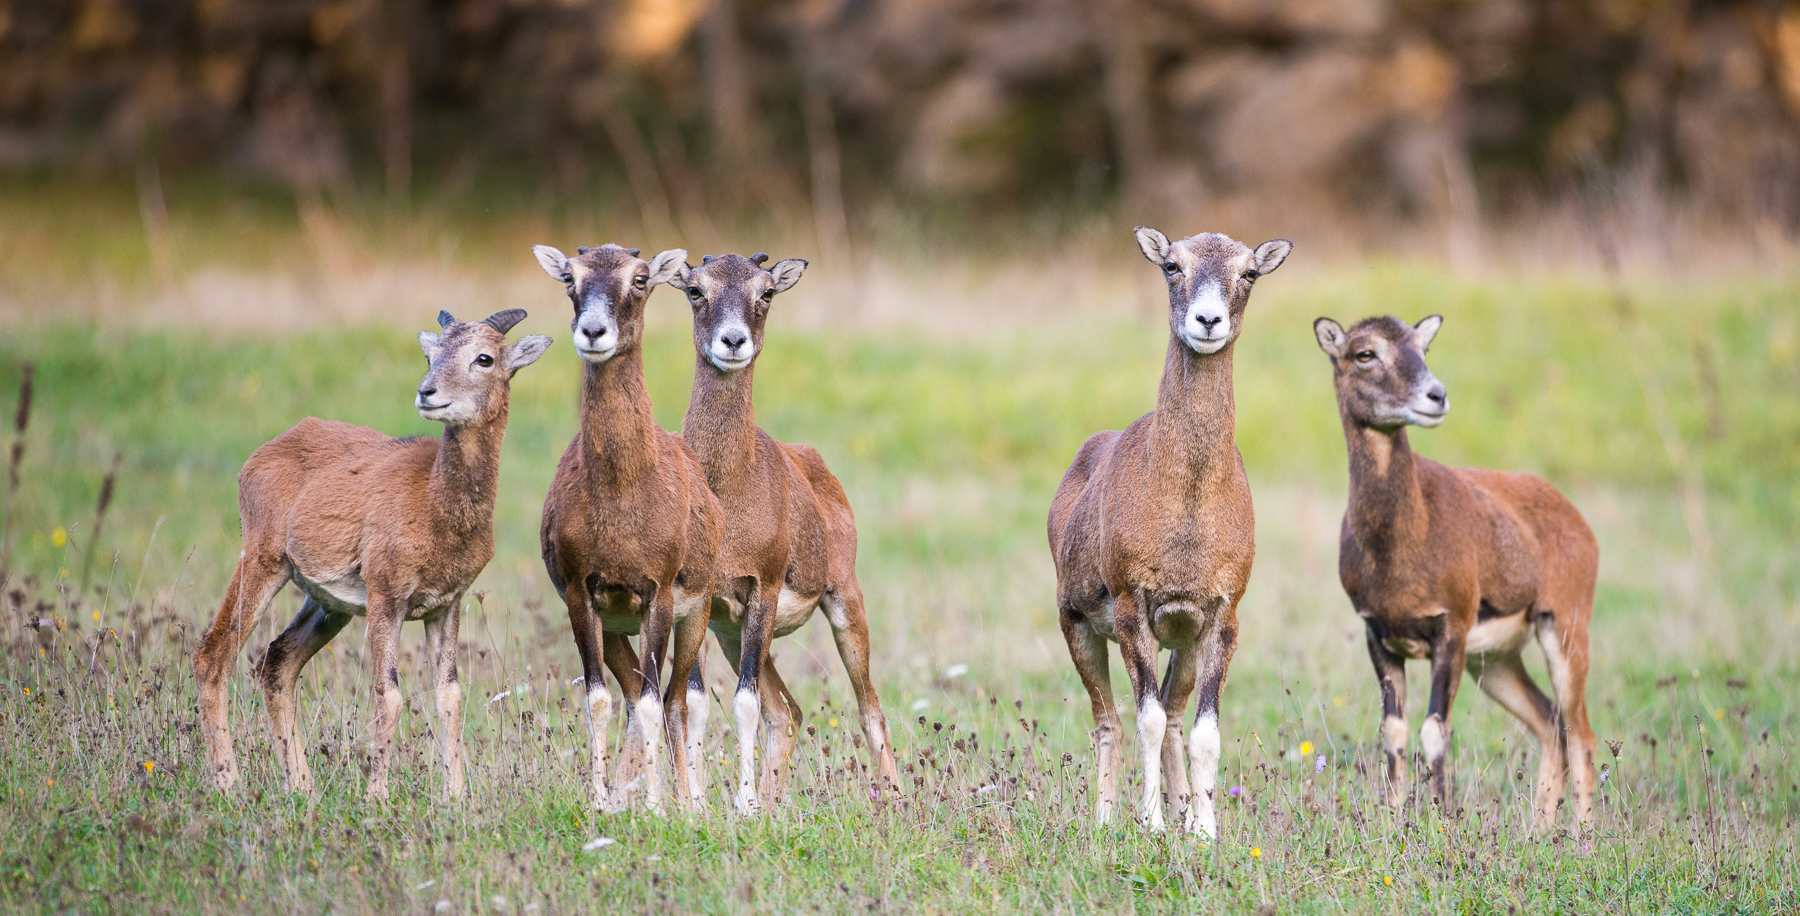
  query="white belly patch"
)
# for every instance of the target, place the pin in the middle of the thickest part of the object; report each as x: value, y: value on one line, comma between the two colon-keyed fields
x: 1498, y: 634
x: 343, y: 592
x: 792, y: 611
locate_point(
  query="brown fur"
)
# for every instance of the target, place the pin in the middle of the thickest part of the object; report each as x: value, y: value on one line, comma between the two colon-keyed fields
x: 1458, y: 565
x: 630, y: 532
x: 339, y: 509
x: 1153, y: 535
x: 790, y: 536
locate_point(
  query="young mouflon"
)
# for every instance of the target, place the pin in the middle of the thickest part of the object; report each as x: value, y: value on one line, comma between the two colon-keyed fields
x: 372, y: 526
x: 1153, y: 534
x: 790, y: 537
x: 1458, y: 566
x: 630, y: 531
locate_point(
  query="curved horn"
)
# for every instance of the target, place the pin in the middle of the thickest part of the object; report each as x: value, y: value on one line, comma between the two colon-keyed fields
x: 759, y: 257
x: 445, y: 319
x: 504, y: 321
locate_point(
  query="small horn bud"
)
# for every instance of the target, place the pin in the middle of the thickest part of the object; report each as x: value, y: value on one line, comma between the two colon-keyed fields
x: 504, y: 321
x: 581, y: 249
x: 707, y: 259
x: 759, y: 257
x: 632, y: 251
x: 445, y: 319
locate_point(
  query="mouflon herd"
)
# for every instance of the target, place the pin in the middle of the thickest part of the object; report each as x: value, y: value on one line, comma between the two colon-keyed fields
x: 724, y: 528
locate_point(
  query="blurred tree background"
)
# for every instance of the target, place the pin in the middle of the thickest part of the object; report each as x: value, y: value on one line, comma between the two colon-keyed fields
x: 1408, y: 111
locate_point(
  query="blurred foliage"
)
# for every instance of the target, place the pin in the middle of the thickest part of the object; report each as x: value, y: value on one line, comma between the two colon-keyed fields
x: 1435, y: 109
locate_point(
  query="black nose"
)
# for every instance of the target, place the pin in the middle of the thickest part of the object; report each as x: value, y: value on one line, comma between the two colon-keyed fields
x: 427, y: 392
x: 734, y: 339
x: 1436, y: 394
x: 1209, y: 322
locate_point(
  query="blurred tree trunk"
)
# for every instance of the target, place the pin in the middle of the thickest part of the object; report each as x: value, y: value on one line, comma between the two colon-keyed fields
x: 738, y: 142
x: 829, y: 219
x: 1127, y: 88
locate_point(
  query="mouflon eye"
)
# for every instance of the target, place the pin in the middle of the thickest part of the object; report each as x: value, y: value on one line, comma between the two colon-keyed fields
x: 768, y: 295
x: 1365, y: 356
x: 694, y: 293
x: 1171, y: 268
x: 640, y: 281
x: 484, y: 360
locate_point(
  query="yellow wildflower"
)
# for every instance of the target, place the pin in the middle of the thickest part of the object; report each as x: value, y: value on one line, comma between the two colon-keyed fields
x: 1305, y: 748
x: 59, y: 537
x: 1256, y: 852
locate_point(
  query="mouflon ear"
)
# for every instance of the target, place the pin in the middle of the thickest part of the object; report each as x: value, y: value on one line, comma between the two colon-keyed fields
x: 1269, y: 256
x: 787, y: 273
x: 525, y: 352
x: 554, y: 262
x: 1332, y: 338
x: 1426, y: 330
x: 428, y: 341
x: 445, y: 319
x: 669, y: 267
x: 1153, y: 244
x: 504, y: 320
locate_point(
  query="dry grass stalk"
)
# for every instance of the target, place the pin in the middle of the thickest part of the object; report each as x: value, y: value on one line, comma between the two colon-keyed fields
x: 20, y: 421
x: 106, y: 495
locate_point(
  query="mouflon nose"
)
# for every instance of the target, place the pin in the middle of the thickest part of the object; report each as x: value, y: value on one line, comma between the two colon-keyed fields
x: 426, y: 393
x: 1437, y: 395
x: 1208, y: 323
x: 595, y: 336
x: 734, y: 339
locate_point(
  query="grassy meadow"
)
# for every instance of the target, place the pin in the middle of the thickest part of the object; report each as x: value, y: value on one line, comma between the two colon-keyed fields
x: 1672, y: 423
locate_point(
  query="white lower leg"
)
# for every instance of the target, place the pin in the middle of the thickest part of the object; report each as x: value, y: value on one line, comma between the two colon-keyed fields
x: 1393, y: 741
x: 746, y: 708
x: 696, y: 745
x: 1434, y: 740
x: 1152, y: 722
x: 875, y: 727
x: 599, y: 713
x: 649, y: 717
x: 1106, y: 771
x: 449, y: 704
x: 1203, y: 754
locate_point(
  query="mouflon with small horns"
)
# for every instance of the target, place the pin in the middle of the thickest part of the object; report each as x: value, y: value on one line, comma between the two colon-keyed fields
x: 790, y: 537
x: 630, y: 532
x: 369, y: 525
x: 1153, y: 534
x: 1459, y: 566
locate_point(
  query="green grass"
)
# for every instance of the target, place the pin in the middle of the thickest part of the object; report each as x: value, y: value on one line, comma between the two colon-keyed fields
x: 950, y: 448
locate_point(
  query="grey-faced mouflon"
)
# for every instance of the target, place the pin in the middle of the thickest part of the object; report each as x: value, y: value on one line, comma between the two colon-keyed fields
x: 1460, y: 566
x: 1153, y: 534
x: 630, y: 532
x: 369, y: 525
x: 790, y: 537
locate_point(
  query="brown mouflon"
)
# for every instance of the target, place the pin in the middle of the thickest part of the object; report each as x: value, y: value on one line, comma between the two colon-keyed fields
x: 790, y: 537
x: 369, y: 525
x: 1461, y: 566
x: 1153, y: 534
x: 630, y: 532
